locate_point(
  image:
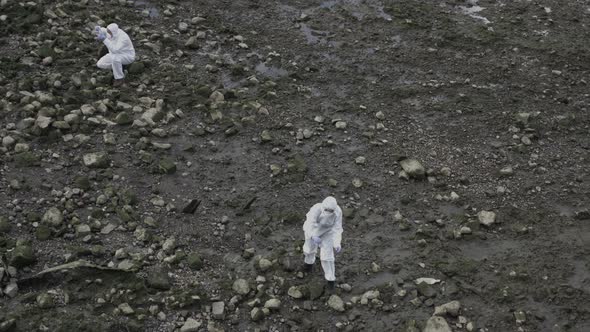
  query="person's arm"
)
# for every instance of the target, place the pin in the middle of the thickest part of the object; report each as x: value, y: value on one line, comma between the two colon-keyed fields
x: 311, y: 225
x: 337, y: 229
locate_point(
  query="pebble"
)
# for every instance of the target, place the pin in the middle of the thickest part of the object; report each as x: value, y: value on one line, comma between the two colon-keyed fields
x: 241, y: 287
x: 486, y: 218
x: 336, y: 303
x: 191, y: 325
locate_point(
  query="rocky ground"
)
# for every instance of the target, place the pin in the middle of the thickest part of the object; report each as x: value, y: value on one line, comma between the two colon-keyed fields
x: 454, y: 134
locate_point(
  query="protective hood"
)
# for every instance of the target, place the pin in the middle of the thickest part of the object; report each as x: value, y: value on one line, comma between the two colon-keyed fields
x: 114, y: 29
x: 329, y: 203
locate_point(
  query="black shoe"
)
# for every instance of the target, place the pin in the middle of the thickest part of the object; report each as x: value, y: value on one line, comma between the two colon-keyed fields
x: 331, y: 285
x: 307, y: 267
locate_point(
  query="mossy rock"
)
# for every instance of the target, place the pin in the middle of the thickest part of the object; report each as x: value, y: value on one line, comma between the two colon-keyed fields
x: 194, y: 261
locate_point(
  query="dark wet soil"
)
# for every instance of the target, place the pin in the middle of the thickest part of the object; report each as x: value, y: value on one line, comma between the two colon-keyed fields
x: 472, y: 86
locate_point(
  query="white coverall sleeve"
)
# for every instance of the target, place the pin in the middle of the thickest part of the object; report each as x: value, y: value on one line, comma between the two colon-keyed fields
x: 337, y: 229
x: 119, y: 45
x: 311, y: 226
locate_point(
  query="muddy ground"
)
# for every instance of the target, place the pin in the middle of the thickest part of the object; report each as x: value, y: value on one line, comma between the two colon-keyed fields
x: 259, y: 109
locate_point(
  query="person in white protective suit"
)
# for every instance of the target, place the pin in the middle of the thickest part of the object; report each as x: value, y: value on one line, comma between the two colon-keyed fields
x: 323, y: 229
x: 121, y: 51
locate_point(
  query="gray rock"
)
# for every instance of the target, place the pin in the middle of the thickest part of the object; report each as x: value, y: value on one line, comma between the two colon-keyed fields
x: 126, y: 309
x: 194, y: 261
x: 83, y: 230
x: 43, y: 121
x: 192, y: 43
x: 264, y: 264
x: 166, y: 166
x: 4, y: 225
x: 486, y: 218
x: 191, y: 325
x: 137, y: 67
x: 158, y: 279
x: 336, y: 303
x: 96, y: 160
x: 273, y: 304
x: 241, y: 287
x: 413, y: 168
x: 21, y: 147
x: 437, y: 324
x: 22, y: 256
x: 45, y: 301
x: 218, y: 310
x: 256, y: 314
x: 11, y: 290
x: 452, y: 308
x: 8, y: 141
x: 295, y: 292
x: 123, y: 118
x: 53, y: 217
x: 426, y: 290
x: 169, y: 245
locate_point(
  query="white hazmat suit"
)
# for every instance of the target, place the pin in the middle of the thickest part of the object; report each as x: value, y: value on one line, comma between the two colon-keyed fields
x: 323, y: 221
x: 121, y: 51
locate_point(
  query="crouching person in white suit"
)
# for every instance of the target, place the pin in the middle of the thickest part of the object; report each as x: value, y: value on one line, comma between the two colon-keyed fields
x: 323, y: 229
x: 121, y: 51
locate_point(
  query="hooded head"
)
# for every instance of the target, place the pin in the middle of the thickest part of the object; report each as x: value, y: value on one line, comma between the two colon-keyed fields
x: 113, y: 28
x: 329, y: 204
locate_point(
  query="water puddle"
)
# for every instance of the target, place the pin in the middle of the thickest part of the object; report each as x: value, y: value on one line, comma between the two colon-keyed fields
x: 153, y: 12
x: 270, y: 71
x: 473, y: 10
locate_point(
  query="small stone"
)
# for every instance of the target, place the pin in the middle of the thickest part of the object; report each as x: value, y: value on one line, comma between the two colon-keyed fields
x: 265, y: 136
x: 413, y: 168
x: 379, y: 115
x: 241, y: 287
x: 218, y: 310
x: 83, y: 230
x: 45, y: 301
x: 357, y: 183
x: 166, y: 166
x: 486, y: 218
x: 256, y: 314
x: 8, y: 141
x: 4, y: 228
x: 137, y: 67
x: 43, y: 121
x: 11, y: 290
x: 452, y: 308
x: 123, y: 118
x: 273, y: 304
x: 126, y: 309
x: 520, y: 317
x: 437, y: 324
x: 96, y: 160
x: 336, y: 303
x: 360, y: 160
x: 159, y: 279
x: 194, y: 261
x: 506, y: 171
x: 191, y: 325
x: 21, y: 147
x: 295, y: 292
x: 22, y: 256
x: 340, y: 125
x: 53, y: 217
x: 169, y: 245
x: 264, y: 264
